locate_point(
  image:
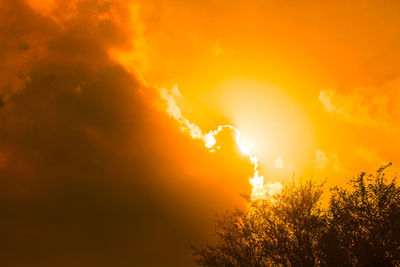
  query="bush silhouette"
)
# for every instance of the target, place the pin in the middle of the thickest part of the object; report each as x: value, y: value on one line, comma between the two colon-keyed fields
x: 360, y: 227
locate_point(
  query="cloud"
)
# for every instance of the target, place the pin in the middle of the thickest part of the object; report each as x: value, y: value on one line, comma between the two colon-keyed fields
x: 259, y: 188
x: 367, y: 106
x: 279, y: 163
x: 174, y: 111
x: 87, y: 173
x: 323, y: 161
x: 320, y: 160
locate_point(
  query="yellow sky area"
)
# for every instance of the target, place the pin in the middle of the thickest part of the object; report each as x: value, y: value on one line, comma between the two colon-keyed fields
x: 271, y: 121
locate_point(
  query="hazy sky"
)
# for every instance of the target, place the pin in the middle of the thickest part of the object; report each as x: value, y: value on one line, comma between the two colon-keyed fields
x: 94, y: 172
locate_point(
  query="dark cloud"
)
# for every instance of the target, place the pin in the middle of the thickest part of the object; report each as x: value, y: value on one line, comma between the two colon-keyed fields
x: 83, y: 154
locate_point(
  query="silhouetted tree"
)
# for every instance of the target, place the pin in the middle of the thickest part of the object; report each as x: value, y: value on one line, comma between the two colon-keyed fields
x: 366, y: 220
x: 361, y: 227
x: 283, y: 230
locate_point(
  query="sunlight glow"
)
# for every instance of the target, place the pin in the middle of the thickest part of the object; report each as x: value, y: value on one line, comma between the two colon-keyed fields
x: 259, y: 189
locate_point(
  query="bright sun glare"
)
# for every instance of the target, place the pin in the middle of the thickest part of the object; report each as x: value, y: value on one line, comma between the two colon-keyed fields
x: 271, y: 122
x: 260, y: 189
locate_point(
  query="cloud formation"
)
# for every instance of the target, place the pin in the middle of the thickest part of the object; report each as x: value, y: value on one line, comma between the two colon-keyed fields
x: 366, y: 106
x: 86, y: 174
x: 323, y: 161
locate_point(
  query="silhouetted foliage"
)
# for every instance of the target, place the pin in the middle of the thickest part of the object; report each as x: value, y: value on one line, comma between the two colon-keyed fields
x: 360, y: 227
x: 366, y: 220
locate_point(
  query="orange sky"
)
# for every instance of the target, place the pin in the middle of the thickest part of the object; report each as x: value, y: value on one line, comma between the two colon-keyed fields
x: 315, y: 83
x: 95, y: 173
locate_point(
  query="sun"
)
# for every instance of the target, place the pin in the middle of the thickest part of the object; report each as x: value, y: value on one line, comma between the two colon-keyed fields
x: 273, y: 125
x: 260, y: 189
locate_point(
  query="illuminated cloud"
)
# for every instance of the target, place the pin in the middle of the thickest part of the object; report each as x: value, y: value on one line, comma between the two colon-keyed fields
x: 174, y: 111
x: 260, y: 189
x: 279, y: 163
x: 364, y: 106
x: 322, y: 161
